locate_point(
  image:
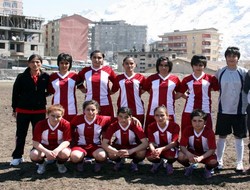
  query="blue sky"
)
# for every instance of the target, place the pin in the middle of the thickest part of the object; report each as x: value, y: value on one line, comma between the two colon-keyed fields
x: 53, y: 9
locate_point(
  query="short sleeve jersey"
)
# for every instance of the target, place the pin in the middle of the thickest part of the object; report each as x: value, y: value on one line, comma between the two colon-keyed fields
x: 125, y: 136
x: 161, y: 92
x: 52, y: 137
x: 200, y: 143
x: 130, y: 92
x: 163, y: 136
x: 199, y: 92
x: 86, y: 132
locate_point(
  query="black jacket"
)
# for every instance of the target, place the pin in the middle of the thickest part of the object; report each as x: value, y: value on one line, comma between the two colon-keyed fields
x: 27, y: 95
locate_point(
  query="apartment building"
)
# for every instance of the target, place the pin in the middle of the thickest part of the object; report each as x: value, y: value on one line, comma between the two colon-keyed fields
x: 114, y: 36
x: 69, y: 34
x: 190, y: 42
x: 13, y: 7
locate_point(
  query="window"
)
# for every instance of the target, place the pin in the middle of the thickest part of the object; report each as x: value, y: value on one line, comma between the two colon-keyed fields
x: 2, y: 45
x: 6, y: 4
x: 33, y: 47
x: 12, y: 46
x: 14, y: 4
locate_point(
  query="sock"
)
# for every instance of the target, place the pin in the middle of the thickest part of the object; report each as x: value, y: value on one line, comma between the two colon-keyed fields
x: 239, y: 146
x: 221, y: 144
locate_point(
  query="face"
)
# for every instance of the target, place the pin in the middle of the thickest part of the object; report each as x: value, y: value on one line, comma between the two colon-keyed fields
x: 64, y: 66
x: 129, y: 65
x: 198, y: 123
x: 232, y: 60
x: 161, y: 116
x: 55, y: 117
x: 90, y: 111
x: 163, y: 67
x: 198, y: 68
x: 97, y: 60
x: 35, y: 64
x: 124, y: 119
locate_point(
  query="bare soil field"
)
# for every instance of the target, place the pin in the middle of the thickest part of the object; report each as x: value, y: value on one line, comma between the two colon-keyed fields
x: 25, y: 176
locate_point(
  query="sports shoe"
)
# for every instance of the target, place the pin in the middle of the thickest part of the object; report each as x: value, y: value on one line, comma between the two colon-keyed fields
x: 189, y: 171
x: 97, y: 167
x: 133, y: 167
x: 41, y: 168
x: 239, y: 166
x: 61, y: 168
x: 79, y: 166
x: 16, y: 161
x: 117, y: 166
x: 155, y: 167
x: 169, y: 169
x: 195, y: 166
x: 207, y: 173
x: 219, y: 167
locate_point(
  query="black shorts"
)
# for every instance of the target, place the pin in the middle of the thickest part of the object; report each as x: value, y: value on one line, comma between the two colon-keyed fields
x: 227, y: 123
x: 248, y: 119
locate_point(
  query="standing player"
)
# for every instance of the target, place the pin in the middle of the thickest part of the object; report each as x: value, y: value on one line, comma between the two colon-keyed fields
x: 28, y: 102
x: 130, y: 85
x: 51, y: 140
x: 63, y: 86
x: 88, y: 128
x: 163, y: 140
x: 124, y: 139
x: 97, y: 80
x: 198, y: 87
x: 162, y: 88
x: 198, y: 145
x: 231, y: 115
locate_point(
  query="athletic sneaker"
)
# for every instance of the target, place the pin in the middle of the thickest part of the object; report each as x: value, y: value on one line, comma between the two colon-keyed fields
x: 155, y: 167
x: 219, y: 167
x: 189, y: 171
x: 134, y: 167
x: 195, y: 166
x: 207, y: 173
x: 169, y: 169
x: 117, y: 166
x: 79, y: 166
x: 61, y: 168
x: 41, y: 168
x: 97, y: 167
x: 16, y: 161
x: 239, y: 166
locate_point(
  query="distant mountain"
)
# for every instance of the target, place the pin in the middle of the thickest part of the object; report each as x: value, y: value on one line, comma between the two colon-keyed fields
x: 230, y: 17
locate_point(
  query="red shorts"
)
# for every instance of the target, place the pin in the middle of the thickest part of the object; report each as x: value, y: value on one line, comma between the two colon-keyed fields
x: 170, y: 153
x: 206, y: 160
x: 87, y: 149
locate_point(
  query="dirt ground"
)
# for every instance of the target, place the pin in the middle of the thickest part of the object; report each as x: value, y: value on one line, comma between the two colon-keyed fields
x: 25, y: 176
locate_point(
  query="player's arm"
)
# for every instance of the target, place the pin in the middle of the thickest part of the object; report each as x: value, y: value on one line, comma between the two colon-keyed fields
x: 107, y: 147
x: 62, y: 146
x: 49, y: 154
x: 207, y: 154
x: 189, y: 155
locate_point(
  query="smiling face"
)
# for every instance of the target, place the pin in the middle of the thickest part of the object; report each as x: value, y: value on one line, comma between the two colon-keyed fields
x: 55, y: 117
x: 63, y: 66
x: 97, y: 60
x: 232, y: 60
x: 90, y: 112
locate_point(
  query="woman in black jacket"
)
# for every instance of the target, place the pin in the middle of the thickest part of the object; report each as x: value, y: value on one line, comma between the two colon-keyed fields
x: 28, y: 102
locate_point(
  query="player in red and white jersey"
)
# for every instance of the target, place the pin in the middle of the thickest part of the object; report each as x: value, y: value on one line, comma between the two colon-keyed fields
x: 197, y: 87
x: 88, y: 128
x: 163, y: 139
x: 51, y: 139
x: 130, y: 85
x: 124, y: 139
x: 96, y: 79
x: 162, y: 88
x: 63, y: 86
x: 197, y: 145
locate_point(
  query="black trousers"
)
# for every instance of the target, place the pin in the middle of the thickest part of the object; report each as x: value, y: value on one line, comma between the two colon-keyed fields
x: 22, y: 123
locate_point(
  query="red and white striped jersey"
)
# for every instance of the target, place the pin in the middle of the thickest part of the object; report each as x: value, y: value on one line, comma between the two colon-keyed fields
x: 97, y: 83
x: 200, y: 143
x: 63, y: 88
x: 163, y: 136
x: 162, y: 91
x: 199, y: 92
x: 86, y: 132
x: 130, y: 92
x: 51, y: 137
x: 131, y: 135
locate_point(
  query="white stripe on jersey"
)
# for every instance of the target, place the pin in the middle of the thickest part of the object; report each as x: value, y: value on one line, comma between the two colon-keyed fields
x: 155, y: 95
x: 45, y: 135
